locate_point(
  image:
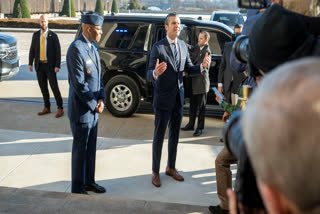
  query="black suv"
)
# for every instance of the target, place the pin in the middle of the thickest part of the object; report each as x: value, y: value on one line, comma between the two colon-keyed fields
x: 124, y: 50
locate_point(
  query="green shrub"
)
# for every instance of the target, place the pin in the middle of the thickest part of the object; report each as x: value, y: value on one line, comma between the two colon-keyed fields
x: 114, y: 8
x: 21, y: 9
x: 99, y: 7
x: 134, y: 5
x: 65, y: 9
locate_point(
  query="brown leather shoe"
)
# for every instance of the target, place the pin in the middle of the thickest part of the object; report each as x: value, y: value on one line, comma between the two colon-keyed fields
x: 174, y: 174
x: 59, y: 112
x: 156, y: 179
x: 44, y: 111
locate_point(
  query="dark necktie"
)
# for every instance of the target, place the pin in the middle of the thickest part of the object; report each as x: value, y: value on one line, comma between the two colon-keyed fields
x: 175, y: 54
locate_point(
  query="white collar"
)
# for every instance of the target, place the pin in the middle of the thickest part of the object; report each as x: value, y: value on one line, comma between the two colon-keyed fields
x: 88, y: 42
x: 172, y: 41
x: 45, y: 31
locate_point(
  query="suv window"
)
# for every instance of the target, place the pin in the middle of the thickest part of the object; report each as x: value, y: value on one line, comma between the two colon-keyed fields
x: 161, y: 33
x: 185, y: 33
x: 139, y: 42
x: 216, y: 42
x: 124, y: 36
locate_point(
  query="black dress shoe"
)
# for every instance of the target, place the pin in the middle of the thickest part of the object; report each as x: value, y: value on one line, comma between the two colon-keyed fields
x: 217, y: 210
x: 197, y: 133
x: 187, y: 128
x: 84, y: 193
x: 95, y: 188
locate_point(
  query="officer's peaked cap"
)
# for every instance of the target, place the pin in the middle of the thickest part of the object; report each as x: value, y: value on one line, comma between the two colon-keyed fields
x: 92, y: 18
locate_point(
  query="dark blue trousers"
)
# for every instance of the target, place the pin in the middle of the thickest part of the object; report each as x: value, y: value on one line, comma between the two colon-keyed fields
x: 83, y: 154
x: 163, y: 118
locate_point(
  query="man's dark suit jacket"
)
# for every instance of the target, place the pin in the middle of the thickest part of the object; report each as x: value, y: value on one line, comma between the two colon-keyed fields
x: 225, y: 70
x: 170, y: 82
x: 53, y: 50
x: 201, y: 83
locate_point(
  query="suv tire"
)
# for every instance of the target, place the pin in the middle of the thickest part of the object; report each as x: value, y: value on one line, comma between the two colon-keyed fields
x: 122, y: 96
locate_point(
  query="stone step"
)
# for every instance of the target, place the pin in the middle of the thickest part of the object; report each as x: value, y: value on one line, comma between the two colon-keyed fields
x: 16, y: 200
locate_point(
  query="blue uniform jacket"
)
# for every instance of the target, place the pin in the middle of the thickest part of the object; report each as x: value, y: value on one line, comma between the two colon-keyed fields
x: 86, y: 86
x: 170, y: 82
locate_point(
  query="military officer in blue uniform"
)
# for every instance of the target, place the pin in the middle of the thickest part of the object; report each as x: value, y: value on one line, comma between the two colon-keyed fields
x: 85, y: 102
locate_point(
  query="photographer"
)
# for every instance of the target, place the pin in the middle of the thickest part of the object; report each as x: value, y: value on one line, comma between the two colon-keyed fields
x: 278, y: 36
x: 311, y: 23
x: 284, y: 157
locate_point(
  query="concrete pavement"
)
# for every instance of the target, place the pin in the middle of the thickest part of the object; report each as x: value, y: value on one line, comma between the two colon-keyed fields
x: 35, y: 154
x: 42, y: 161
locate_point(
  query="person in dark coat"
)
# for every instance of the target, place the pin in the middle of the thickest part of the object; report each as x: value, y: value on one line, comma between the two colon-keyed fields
x: 200, y: 86
x: 45, y: 53
x: 168, y: 59
x: 85, y: 102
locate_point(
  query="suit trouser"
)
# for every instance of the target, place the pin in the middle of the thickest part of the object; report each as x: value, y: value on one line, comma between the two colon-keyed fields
x: 224, y: 175
x: 83, y: 154
x: 197, y: 101
x: 164, y: 118
x: 43, y: 75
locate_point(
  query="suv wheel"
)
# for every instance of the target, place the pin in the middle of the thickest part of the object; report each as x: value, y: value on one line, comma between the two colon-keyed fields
x: 122, y: 96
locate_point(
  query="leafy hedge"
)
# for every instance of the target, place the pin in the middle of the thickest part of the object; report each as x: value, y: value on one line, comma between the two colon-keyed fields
x: 21, y: 9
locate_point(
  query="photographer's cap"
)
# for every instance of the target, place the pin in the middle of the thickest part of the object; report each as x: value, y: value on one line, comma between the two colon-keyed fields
x: 276, y: 35
x: 92, y: 18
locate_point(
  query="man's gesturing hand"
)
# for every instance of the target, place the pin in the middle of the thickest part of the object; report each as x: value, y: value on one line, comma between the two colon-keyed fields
x: 160, y: 68
x: 206, y: 61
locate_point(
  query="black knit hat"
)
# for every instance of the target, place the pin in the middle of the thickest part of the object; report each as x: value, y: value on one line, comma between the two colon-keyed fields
x: 274, y: 37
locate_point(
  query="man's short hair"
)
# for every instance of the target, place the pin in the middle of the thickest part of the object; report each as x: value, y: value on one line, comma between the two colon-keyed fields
x: 281, y: 130
x: 206, y: 35
x: 166, y: 21
x: 238, y: 26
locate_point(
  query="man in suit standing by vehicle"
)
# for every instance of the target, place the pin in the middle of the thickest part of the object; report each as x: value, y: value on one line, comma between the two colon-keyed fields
x: 45, y: 51
x: 86, y: 101
x: 228, y: 80
x: 169, y: 58
x: 200, y: 86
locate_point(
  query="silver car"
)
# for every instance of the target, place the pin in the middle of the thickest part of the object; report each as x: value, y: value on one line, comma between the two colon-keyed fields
x: 9, y: 59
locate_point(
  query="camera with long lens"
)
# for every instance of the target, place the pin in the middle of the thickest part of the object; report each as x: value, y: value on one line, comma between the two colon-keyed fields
x: 241, y: 49
x: 245, y: 187
x: 241, y: 44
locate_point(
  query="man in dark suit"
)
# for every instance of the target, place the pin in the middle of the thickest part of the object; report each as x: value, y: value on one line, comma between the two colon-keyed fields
x: 228, y: 80
x: 45, y: 51
x: 200, y: 86
x: 86, y: 101
x: 169, y: 58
